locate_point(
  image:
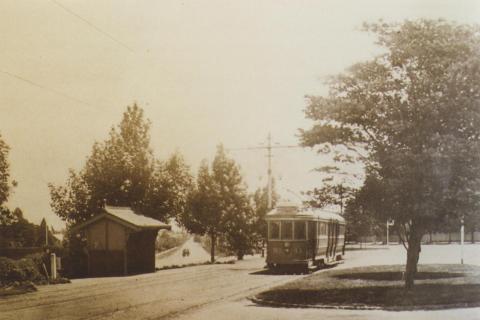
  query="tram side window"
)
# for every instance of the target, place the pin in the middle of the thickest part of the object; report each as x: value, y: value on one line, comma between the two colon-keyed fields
x: 312, y: 228
x: 287, y: 230
x: 274, y: 230
x: 300, y: 231
x: 322, y: 228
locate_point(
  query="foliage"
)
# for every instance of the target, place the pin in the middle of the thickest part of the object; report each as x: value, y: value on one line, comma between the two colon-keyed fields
x: 328, y: 195
x: 169, y: 239
x: 415, y: 111
x: 122, y: 171
x: 4, y: 172
x: 337, y: 183
x: 16, y: 231
x: 25, y: 269
x: 361, y: 222
x: 219, y: 205
x: 260, y: 205
x: 169, y: 186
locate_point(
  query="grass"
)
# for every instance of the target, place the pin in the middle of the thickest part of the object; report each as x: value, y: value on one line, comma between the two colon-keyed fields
x: 381, y: 287
x: 178, y: 266
x: 17, y: 288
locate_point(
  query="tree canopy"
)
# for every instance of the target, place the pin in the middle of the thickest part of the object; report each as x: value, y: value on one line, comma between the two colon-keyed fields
x: 219, y: 205
x: 4, y: 172
x: 122, y: 171
x: 415, y: 110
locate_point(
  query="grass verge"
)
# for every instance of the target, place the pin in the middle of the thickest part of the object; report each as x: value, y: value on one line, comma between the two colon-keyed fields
x: 178, y: 266
x: 381, y: 287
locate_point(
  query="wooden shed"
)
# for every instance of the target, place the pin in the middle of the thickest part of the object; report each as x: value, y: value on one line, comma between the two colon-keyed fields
x: 120, y: 242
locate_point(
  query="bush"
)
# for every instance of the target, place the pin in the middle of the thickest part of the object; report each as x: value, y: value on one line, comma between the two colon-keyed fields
x: 168, y: 239
x: 25, y: 269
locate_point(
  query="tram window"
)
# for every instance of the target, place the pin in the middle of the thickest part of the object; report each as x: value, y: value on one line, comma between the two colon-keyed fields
x: 322, y: 228
x: 312, y: 226
x: 287, y: 230
x: 300, y: 231
x: 274, y: 230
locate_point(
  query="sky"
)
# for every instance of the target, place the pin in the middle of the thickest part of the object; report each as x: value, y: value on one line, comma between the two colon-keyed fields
x: 205, y: 72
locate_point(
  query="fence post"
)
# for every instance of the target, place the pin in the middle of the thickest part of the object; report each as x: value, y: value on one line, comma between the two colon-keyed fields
x: 53, y: 266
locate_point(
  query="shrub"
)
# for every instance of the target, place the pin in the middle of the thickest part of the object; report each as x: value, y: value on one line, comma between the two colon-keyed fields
x: 25, y: 269
x: 168, y: 239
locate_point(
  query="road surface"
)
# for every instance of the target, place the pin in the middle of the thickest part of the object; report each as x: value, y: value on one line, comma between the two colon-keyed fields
x: 211, y: 292
x: 159, y: 295
x: 197, y: 255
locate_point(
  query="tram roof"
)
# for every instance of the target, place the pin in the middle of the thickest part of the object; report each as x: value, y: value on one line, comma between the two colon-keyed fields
x: 292, y: 211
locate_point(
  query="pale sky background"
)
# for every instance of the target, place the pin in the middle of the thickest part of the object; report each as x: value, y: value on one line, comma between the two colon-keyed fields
x: 205, y: 72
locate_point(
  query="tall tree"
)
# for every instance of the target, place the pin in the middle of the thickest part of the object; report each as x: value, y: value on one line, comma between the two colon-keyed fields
x: 338, y: 182
x: 4, y: 172
x: 260, y: 205
x: 122, y: 171
x: 168, y: 189
x: 219, y: 205
x: 119, y: 169
x: 416, y: 111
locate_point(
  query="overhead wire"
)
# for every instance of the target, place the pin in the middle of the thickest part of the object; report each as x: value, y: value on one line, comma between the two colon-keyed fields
x: 35, y: 84
x: 91, y: 25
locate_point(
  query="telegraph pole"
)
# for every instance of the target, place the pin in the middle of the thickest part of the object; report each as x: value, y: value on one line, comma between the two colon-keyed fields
x: 462, y: 238
x: 269, y: 147
x: 269, y: 175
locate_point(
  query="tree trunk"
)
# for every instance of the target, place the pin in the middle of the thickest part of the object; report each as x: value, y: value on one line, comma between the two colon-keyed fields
x: 212, y: 247
x: 240, y: 255
x: 413, y: 253
x: 473, y: 235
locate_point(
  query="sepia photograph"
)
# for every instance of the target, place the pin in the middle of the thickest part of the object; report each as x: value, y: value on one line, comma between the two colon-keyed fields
x: 227, y: 159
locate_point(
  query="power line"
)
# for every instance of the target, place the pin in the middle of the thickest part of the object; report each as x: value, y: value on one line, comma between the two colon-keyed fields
x: 91, y: 25
x: 35, y: 84
x: 269, y: 148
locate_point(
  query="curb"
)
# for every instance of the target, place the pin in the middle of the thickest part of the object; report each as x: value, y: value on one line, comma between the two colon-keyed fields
x: 277, y: 304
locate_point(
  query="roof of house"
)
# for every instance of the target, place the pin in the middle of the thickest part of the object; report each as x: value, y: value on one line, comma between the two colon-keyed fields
x: 293, y: 211
x: 127, y: 217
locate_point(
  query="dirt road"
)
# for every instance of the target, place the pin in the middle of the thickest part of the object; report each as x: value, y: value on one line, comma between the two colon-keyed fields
x: 197, y: 255
x: 152, y: 296
x: 212, y: 292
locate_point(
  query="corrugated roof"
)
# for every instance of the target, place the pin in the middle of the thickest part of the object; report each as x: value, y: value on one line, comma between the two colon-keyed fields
x: 126, y: 214
x: 292, y: 211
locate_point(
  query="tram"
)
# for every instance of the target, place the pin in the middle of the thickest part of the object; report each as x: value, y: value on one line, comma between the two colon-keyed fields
x: 304, y: 238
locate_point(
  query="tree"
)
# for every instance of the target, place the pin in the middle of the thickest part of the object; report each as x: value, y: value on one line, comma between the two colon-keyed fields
x: 219, y: 205
x: 168, y: 189
x: 204, y: 214
x: 337, y: 194
x: 415, y: 111
x: 361, y: 219
x: 338, y: 182
x: 260, y: 205
x: 122, y: 171
x: 4, y: 172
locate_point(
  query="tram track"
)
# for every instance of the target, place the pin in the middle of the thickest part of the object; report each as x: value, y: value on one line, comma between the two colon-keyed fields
x: 103, y: 290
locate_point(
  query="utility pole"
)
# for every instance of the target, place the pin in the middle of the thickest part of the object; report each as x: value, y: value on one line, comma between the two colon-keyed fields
x: 269, y: 175
x: 387, y: 232
x: 462, y: 238
x: 269, y: 147
x: 46, y: 232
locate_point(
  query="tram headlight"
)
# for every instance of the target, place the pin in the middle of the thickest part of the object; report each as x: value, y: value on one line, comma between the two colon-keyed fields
x: 286, y: 244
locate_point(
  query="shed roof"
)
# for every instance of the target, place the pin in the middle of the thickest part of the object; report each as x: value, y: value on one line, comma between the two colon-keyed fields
x: 293, y: 211
x: 125, y: 216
